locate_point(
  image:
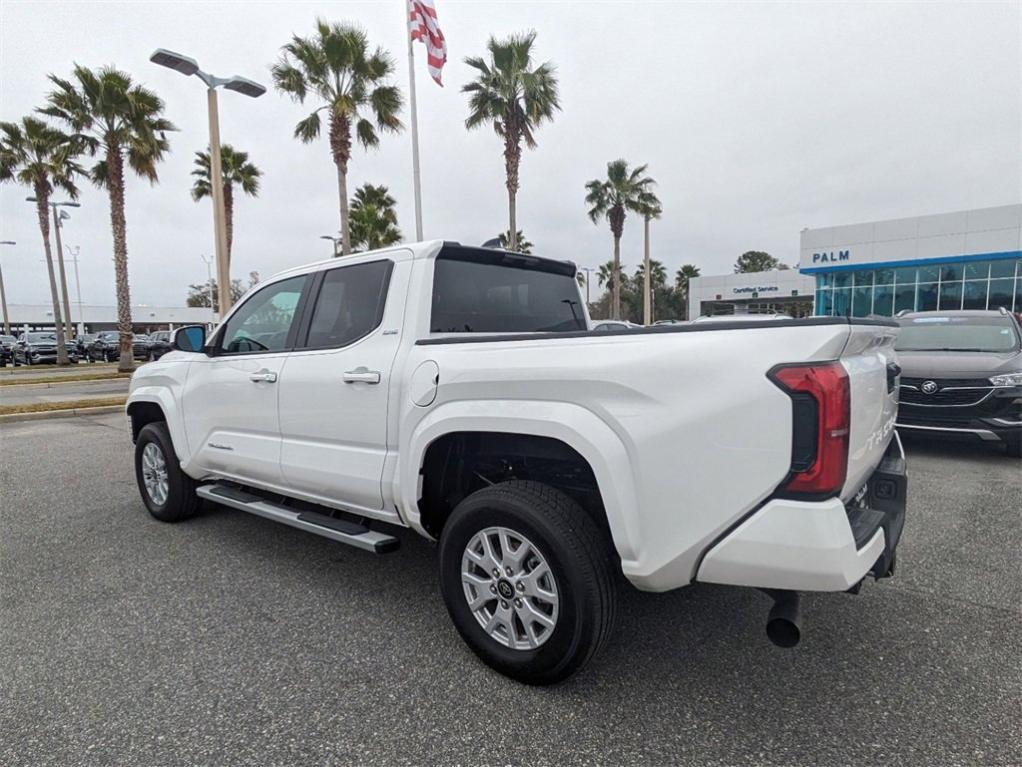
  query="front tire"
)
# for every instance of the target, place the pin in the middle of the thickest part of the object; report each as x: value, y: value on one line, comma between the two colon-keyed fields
x: 166, y: 491
x: 1014, y: 448
x: 526, y: 577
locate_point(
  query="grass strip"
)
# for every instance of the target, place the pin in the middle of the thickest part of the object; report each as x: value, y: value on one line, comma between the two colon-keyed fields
x: 11, y: 370
x: 107, y: 376
x: 70, y: 404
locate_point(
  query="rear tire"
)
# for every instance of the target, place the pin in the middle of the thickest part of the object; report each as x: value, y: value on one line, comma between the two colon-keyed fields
x: 166, y: 491
x: 1014, y: 448
x: 578, y: 598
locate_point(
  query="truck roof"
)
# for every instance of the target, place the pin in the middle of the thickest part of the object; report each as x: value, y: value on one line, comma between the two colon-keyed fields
x: 423, y: 249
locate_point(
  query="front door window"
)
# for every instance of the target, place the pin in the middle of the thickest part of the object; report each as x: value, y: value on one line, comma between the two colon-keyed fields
x: 263, y: 323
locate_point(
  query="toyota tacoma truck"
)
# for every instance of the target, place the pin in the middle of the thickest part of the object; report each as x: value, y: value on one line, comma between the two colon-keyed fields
x: 460, y: 392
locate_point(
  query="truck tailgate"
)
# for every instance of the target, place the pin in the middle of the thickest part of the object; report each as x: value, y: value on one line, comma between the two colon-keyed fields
x: 870, y: 361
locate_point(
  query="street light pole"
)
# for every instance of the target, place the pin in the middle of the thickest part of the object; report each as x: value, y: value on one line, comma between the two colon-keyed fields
x: 209, y: 281
x: 78, y: 287
x: 589, y: 274
x: 59, y: 216
x: 3, y: 296
x: 188, y: 66
x: 223, y: 268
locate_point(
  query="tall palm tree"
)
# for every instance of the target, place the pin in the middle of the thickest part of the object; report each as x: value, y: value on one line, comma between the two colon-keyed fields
x: 373, y: 218
x: 516, y: 99
x: 622, y: 190
x: 336, y: 67
x: 41, y: 157
x: 121, y: 121
x: 522, y: 243
x: 235, y: 169
x: 649, y: 208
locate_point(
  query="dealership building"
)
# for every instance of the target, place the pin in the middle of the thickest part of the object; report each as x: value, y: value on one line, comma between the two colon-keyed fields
x: 964, y: 260
x: 970, y: 259
x: 781, y: 291
x: 92, y: 318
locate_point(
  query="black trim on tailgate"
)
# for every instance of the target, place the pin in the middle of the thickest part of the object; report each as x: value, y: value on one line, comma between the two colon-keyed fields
x: 482, y: 338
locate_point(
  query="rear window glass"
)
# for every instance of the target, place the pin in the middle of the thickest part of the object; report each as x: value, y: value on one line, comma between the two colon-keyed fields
x: 957, y: 334
x: 495, y: 292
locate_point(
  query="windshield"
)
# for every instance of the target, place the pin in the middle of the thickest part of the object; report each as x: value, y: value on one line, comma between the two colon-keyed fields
x: 957, y: 334
x: 7, y: 339
x: 36, y: 338
x: 111, y: 336
x: 483, y: 291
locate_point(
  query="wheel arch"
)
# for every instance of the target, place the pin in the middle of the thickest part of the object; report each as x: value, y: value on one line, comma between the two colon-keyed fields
x: 149, y: 404
x: 553, y: 432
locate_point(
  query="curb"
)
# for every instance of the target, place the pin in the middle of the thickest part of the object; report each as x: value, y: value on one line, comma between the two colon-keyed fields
x: 45, y: 415
x: 54, y: 384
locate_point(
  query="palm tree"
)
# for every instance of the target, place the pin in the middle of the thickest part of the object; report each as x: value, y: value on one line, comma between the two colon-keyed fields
x: 121, y: 120
x: 683, y: 275
x: 657, y: 274
x: 649, y: 208
x: 373, y: 218
x: 610, y: 198
x: 516, y: 99
x: 606, y: 275
x: 235, y: 169
x: 681, y: 283
x: 41, y: 157
x: 522, y: 246
x: 336, y: 66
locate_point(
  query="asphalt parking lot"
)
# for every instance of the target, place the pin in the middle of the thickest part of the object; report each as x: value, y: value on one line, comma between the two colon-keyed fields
x: 231, y: 640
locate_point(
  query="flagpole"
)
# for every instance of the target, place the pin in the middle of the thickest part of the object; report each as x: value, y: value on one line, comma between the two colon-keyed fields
x: 416, y: 182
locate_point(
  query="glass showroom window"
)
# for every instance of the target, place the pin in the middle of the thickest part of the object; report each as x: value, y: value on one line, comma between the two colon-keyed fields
x: 885, y: 292
x: 862, y: 292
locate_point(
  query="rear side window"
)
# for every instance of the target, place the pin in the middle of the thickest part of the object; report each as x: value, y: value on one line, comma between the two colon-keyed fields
x: 494, y: 292
x: 349, y: 305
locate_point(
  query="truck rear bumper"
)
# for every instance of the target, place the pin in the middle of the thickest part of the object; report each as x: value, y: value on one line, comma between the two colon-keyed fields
x: 816, y: 546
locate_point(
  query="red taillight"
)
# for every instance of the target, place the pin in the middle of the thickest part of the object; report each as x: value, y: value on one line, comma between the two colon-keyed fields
x: 819, y: 450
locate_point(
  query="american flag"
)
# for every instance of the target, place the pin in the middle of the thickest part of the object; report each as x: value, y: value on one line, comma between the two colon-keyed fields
x: 423, y: 25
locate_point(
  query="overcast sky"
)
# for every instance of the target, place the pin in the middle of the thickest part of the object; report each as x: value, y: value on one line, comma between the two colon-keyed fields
x: 756, y: 119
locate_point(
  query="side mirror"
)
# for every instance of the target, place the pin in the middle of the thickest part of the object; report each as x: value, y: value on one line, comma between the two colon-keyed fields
x: 189, y: 339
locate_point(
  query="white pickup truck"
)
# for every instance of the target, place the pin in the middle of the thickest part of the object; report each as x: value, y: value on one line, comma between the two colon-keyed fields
x: 459, y: 392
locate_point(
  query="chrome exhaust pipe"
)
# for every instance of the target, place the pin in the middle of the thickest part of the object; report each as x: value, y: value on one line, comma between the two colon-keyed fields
x: 784, y: 621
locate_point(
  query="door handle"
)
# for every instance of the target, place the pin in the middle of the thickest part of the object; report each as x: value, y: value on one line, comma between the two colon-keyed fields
x: 263, y: 375
x: 361, y: 375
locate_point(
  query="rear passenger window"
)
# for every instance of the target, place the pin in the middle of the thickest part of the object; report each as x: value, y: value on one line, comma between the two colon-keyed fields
x: 349, y: 305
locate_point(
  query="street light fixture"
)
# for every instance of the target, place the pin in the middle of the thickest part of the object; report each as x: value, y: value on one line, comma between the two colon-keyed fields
x: 188, y: 67
x: 59, y: 216
x: 335, y: 240
x: 3, y: 296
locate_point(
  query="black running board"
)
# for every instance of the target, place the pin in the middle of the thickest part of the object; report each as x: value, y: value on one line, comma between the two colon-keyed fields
x: 340, y: 530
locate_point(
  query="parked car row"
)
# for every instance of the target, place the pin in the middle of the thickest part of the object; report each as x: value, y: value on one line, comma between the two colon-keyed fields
x: 40, y: 347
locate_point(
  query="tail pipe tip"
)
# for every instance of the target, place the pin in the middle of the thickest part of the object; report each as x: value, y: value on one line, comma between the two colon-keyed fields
x: 784, y: 621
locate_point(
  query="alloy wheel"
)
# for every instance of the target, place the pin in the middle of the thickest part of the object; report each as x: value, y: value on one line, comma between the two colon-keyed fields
x: 154, y: 474
x: 510, y: 588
